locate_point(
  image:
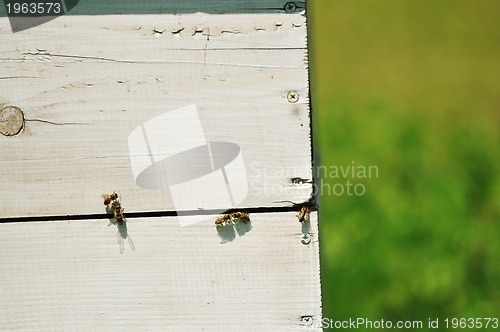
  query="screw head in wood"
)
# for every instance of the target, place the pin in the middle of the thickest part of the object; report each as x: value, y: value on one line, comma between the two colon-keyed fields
x: 293, y: 97
x: 290, y: 7
x: 11, y: 120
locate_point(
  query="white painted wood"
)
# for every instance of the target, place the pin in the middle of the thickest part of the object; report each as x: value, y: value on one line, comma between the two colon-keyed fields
x: 85, y: 82
x: 60, y: 276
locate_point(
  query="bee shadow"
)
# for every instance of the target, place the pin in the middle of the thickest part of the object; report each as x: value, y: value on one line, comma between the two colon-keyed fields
x: 121, y: 233
x: 243, y: 226
x: 306, y: 230
x: 227, y: 233
x: 306, y: 226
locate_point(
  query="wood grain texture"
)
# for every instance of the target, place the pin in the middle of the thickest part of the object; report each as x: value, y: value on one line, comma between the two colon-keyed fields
x: 85, y: 82
x: 60, y: 276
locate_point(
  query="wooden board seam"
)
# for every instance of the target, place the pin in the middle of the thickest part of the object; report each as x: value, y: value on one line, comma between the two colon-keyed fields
x: 296, y: 207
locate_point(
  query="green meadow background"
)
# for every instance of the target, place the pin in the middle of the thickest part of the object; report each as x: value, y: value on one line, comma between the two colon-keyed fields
x: 411, y: 87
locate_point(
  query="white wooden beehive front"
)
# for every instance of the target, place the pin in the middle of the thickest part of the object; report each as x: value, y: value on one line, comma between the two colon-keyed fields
x: 85, y: 82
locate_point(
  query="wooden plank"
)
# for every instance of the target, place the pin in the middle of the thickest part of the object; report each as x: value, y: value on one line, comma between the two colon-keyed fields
x: 97, y: 7
x: 81, y: 101
x: 71, y: 276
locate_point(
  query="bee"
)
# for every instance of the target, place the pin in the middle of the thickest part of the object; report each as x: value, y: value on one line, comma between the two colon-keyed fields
x: 223, y: 220
x: 109, y: 198
x: 230, y: 218
x: 243, y: 216
x: 118, y: 212
x: 304, y: 214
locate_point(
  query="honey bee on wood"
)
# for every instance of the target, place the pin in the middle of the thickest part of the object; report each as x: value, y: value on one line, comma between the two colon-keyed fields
x: 223, y: 220
x: 304, y: 214
x: 227, y: 219
x: 243, y: 216
x: 118, y: 212
x: 109, y: 198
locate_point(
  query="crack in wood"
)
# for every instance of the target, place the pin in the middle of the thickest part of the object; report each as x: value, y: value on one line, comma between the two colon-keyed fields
x: 81, y: 58
x: 16, y: 77
x: 58, y: 123
x: 152, y: 214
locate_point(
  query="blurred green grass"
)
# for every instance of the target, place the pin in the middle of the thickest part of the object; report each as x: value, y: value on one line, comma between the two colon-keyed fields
x: 413, y: 88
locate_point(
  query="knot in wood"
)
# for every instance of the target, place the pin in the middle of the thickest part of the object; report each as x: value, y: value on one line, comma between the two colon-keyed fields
x: 11, y: 120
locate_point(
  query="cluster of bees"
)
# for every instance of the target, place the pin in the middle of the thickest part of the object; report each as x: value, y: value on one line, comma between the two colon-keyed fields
x: 231, y: 218
x: 113, y: 204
